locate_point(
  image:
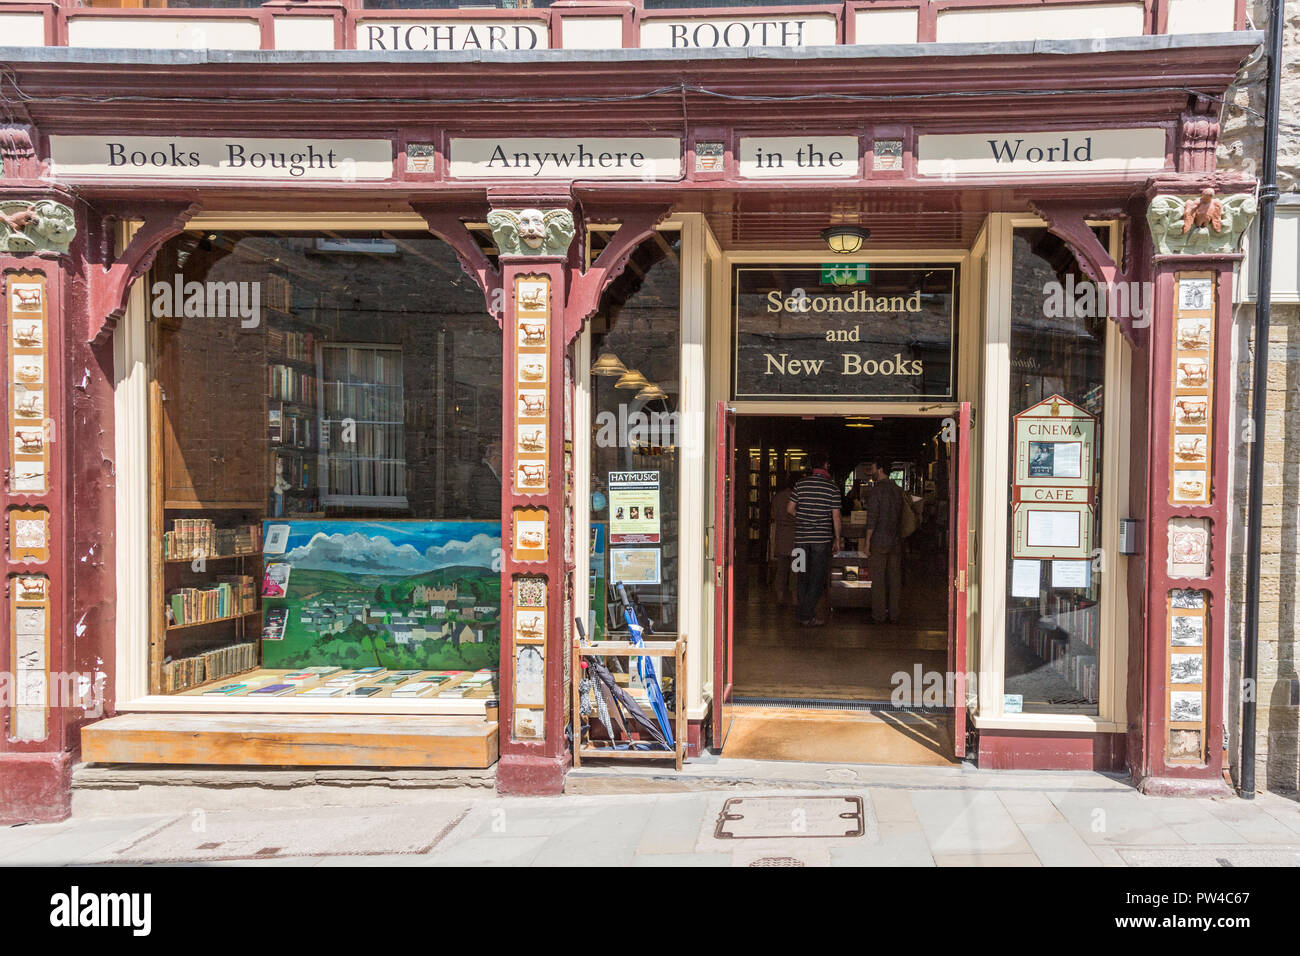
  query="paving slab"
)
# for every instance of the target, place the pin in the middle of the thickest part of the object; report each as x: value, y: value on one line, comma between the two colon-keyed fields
x: 1058, y: 844
x: 965, y: 822
x: 1115, y: 819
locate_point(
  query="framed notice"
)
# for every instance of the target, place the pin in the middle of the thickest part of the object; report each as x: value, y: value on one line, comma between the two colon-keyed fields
x: 634, y: 566
x: 634, y: 510
x: 1060, y: 531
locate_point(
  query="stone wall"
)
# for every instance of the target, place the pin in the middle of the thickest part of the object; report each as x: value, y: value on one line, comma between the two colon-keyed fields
x: 1278, y: 721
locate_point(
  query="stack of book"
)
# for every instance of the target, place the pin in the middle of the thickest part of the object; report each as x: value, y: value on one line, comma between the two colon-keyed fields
x: 188, y: 672
x: 194, y: 537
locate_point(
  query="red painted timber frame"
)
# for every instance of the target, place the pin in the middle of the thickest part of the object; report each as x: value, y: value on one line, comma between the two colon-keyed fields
x: 246, y: 99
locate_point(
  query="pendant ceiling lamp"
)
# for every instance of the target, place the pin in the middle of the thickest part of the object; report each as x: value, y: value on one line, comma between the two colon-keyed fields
x: 651, y: 393
x: 632, y: 379
x: 608, y: 365
x: 845, y: 240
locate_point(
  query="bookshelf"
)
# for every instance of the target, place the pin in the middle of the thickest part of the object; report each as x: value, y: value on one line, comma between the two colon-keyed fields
x: 362, y: 458
x: 208, y: 594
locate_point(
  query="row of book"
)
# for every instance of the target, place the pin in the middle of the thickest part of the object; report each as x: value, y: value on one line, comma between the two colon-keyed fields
x: 293, y: 429
x: 231, y: 595
x: 195, y: 537
x: 1069, y: 654
x: 1081, y: 671
x: 295, y: 346
x: 366, y: 364
x: 285, y: 383
x: 188, y: 672
x: 366, y: 477
x: 363, y: 401
x: 295, y: 471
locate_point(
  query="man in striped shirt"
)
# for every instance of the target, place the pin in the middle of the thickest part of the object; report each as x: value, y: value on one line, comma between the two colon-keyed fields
x: 815, y: 505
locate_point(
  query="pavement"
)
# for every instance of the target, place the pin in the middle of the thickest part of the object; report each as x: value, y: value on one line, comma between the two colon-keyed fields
x: 743, y: 813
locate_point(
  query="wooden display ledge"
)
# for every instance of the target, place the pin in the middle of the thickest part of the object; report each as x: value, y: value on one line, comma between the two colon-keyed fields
x: 292, y: 741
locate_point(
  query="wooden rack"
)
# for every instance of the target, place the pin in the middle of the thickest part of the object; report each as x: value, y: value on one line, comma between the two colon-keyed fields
x: 661, y: 649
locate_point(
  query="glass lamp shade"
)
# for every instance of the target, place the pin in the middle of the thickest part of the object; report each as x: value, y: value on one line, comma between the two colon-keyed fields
x: 651, y: 393
x: 608, y: 364
x: 632, y: 379
x: 845, y: 240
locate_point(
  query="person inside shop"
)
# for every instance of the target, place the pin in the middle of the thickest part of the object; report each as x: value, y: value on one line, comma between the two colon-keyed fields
x: 485, y: 483
x: 815, y: 504
x: 884, y: 544
x: 783, y: 542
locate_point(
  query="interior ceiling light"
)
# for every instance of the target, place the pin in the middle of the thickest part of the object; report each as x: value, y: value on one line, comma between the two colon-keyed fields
x: 632, y: 379
x: 608, y: 364
x: 845, y: 240
x: 651, y: 393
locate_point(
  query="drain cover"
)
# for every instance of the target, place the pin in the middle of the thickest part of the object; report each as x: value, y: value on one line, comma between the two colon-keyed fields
x: 778, y: 861
x: 749, y: 818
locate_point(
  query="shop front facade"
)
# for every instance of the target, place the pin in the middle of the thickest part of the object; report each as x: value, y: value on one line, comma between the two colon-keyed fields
x: 348, y: 382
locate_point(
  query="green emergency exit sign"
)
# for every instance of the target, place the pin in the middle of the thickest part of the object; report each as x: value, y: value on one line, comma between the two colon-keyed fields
x: 845, y: 273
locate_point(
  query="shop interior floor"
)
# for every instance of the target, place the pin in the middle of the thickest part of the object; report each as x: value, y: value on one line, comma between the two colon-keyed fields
x: 862, y: 737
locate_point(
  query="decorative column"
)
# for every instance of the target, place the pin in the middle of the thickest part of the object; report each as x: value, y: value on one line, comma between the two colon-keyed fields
x: 1189, y: 438
x: 39, y: 682
x: 533, y: 244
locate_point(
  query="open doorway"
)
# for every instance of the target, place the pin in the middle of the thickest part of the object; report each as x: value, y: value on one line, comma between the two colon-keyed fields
x: 843, y: 687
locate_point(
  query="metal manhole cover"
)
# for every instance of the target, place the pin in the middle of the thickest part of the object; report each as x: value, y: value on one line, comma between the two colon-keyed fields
x: 778, y: 861
x: 749, y: 818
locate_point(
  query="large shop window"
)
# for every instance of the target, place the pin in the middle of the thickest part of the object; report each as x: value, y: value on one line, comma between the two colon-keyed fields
x: 635, y: 442
x: 1055, y: 579
x: 327, y: 490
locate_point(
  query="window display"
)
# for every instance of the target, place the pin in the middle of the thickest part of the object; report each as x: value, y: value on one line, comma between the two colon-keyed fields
x: 1054, y: 595
x: 636, y: 437
x: 327, y: 438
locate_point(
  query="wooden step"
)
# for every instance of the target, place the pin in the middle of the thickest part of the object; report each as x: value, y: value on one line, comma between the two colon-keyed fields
x: 292, y: 740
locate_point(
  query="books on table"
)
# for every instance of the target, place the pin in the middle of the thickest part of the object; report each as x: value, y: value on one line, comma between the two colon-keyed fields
x: 413, y: 690
x: 274, y: 690
x: 324, y: 690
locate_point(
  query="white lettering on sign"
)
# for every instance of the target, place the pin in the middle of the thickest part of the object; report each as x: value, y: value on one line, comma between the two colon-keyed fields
x: 451, y: 35
x: 788, y: 157
x: 645, y: 157
x: 214, y: 157
x: 1066, y: 151
x: 719, y: 33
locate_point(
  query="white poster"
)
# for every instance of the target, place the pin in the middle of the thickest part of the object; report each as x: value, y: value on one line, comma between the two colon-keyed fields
x: 1025, y: 578
x: 1071, y: 574
x: 1053, y: 529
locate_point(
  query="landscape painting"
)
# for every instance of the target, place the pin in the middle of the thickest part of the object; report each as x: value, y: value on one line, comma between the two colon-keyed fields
x: 405, y: 595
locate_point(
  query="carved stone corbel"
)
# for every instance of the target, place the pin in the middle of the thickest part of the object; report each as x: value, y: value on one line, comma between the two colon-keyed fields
x: 1201, y: 225
x: 110, y: 280
x: 34, y: 226
x: 450, y: 228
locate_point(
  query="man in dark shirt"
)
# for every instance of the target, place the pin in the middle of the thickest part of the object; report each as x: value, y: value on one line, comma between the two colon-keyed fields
x: 815, y: 504
x: 884, y: 544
